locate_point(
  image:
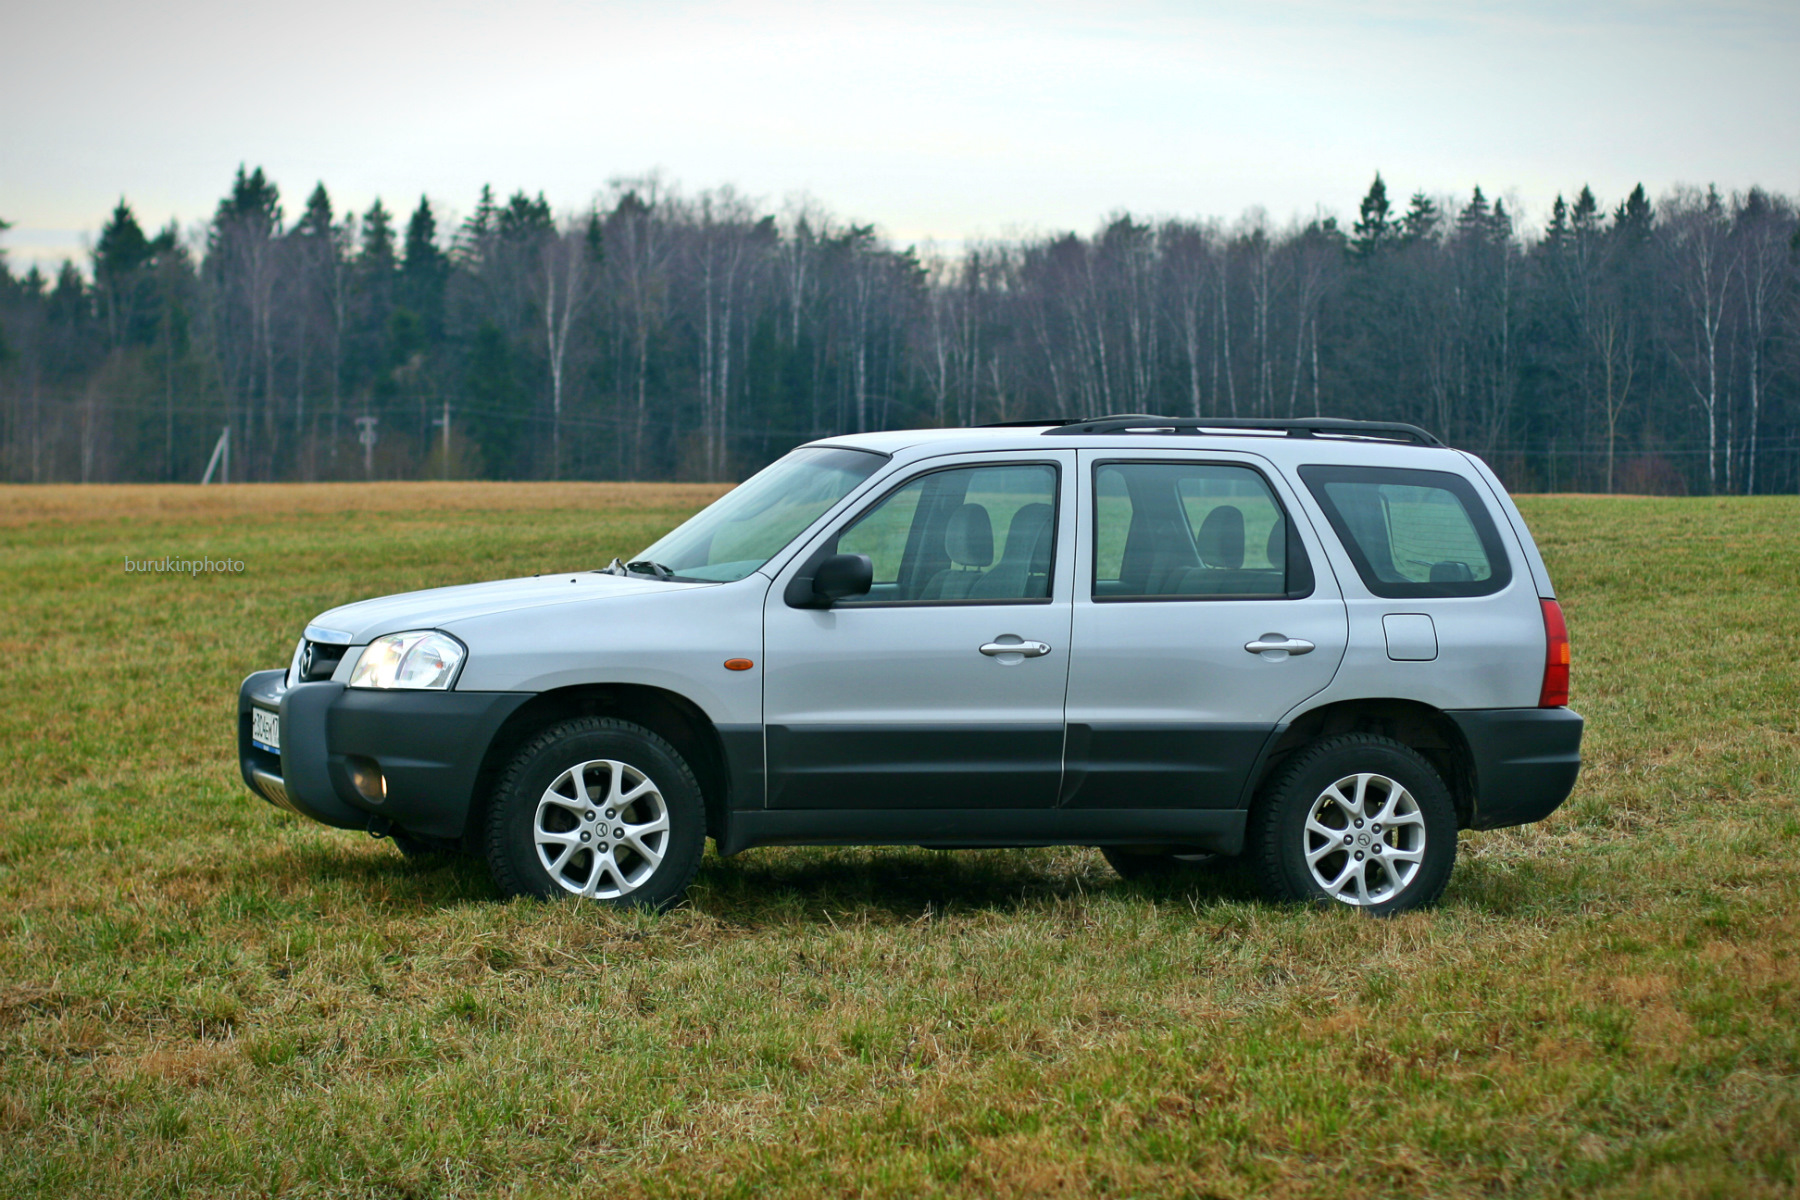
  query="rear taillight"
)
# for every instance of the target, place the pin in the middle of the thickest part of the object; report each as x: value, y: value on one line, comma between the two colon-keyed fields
x: 1555, y: 692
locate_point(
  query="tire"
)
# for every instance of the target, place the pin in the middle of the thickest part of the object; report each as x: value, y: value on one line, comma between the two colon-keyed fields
x: 601, y: 809
x: 1316, y: 836
x: 1134, y: 864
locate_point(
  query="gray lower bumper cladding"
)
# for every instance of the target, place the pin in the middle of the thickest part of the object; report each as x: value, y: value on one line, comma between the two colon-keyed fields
x: 428, y: 747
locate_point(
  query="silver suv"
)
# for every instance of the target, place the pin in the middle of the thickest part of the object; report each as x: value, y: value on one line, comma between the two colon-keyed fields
x: 1324, y: 646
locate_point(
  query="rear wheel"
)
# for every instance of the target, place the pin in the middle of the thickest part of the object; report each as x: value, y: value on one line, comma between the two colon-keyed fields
x: 1358, y: 820
x: 600, y: 809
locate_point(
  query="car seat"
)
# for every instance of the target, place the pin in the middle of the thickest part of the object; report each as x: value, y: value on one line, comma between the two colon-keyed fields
x: 1023, y: 572
x: 969, y: 544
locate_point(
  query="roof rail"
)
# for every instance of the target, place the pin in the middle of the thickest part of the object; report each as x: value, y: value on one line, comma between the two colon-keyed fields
x: 1297, y: 427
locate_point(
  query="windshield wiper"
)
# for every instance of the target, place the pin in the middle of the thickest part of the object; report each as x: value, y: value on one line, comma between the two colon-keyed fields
x: 642, y: 566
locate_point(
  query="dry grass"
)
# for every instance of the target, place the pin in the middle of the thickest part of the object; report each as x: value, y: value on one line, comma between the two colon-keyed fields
x: 22, y: 505
x: 200, y: 995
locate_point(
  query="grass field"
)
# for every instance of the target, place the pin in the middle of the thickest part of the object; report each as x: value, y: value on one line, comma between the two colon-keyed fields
x: 203, y: 996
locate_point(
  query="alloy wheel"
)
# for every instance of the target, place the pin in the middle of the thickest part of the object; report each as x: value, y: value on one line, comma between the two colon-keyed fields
x: 601, y: 829
x: 1364, y: 839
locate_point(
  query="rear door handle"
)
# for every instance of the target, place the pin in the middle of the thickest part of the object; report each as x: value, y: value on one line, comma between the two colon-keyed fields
x: 1274, y: 641
x: 1023, y: 649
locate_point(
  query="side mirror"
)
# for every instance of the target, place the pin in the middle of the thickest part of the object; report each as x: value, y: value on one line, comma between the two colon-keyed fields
x: 830, y: 579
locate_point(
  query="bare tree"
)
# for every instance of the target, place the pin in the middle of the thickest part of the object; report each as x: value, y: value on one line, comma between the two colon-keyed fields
x: 567, y: 278
x: 1763, y: 229
x: 1697, y: 239
x: 639, y: 250
x: 1190, y: 258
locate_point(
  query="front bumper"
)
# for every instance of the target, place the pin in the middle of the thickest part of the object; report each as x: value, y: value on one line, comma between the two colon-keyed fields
x: 1526, y: 760
x: 428, y: 746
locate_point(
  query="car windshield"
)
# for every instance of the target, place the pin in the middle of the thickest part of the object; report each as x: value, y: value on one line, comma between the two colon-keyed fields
x: 748, y: 525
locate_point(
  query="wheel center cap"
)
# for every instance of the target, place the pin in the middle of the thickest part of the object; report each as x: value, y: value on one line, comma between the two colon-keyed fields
x: 1362, y: 839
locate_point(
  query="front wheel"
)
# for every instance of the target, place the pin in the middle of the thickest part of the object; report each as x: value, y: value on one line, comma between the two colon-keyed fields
x: 600, y: 809
x: 1358, y: 820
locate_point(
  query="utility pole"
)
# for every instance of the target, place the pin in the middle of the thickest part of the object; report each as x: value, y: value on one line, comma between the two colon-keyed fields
x: 368, y: 437
x: 221, y: 450
x: 445, y: 422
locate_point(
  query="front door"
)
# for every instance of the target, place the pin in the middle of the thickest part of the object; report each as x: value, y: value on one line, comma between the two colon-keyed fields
x: 914, y: 696
x: 1206, y: 613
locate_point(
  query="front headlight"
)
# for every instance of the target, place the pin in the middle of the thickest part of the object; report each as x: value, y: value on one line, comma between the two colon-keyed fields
x: 422, y: 659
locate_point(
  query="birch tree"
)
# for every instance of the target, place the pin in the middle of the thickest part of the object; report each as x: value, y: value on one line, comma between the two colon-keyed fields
x: 1696, y: 237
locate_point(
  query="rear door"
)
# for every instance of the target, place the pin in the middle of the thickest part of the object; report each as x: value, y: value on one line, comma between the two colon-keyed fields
x: 912, y: 697
x: 1204, y: 612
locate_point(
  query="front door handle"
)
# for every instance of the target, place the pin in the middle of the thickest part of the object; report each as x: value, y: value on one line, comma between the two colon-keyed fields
x: 1022, y: 649
x: 1274, y: 641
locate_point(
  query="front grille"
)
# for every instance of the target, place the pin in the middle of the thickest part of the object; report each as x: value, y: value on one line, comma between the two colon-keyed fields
x: 317, y: 661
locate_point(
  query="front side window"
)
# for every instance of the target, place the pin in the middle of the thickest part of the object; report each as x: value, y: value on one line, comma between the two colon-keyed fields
x: 1412, y: 534
x: 966, y: 535
x: 750, y: 524
x: 1192, y: 531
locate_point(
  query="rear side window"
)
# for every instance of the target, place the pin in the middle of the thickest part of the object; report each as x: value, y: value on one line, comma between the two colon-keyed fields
x: 1192, y: 531
x: 1412, y: 534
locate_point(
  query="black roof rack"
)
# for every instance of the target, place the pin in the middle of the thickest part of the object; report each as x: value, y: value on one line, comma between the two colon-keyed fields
x: 1297, y: 427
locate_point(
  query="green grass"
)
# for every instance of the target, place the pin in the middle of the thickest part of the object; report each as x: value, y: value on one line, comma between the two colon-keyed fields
x: 203, y: 996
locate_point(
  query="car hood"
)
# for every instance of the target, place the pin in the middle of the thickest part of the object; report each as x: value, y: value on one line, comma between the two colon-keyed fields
x: 431, y: 609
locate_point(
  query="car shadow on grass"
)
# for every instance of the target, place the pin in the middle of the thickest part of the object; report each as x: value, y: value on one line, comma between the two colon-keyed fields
x: 786, y: 884
x: 905, y: 883
x: 821, y: 884
x: 389, y: 880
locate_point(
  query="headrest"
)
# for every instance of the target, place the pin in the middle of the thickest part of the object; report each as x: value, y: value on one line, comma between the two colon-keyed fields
x: 1026, y: 529
x: 1221, y: 539
x: 1276, y: 548
x: 1451, y: 572
x: 969, y: 539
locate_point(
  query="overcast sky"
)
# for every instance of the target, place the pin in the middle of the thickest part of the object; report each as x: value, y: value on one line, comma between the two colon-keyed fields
x: 936, y: 121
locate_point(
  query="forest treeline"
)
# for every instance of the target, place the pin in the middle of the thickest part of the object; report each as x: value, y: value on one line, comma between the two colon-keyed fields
x: 1643, y: 347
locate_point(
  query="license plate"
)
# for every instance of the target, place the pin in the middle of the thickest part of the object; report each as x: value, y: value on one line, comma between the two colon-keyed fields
x: 265, y: 730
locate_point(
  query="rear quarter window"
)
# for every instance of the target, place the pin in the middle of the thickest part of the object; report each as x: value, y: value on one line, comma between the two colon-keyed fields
x: 1412, y: 534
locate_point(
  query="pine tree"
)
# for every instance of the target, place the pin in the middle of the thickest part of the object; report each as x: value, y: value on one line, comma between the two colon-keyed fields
x: 1556, y: 233
x: 123, y: 248
x: 1585, y: 219
x: 481, y: 222
x: 497, y: 402
x: 425, y: 270
x: 377, y: 258
x: 119, y: 260
x: 422, y: 254
x: 1373, y: 229
x: 374, y: 272
x: 524, y: 218
x: 316, y: 221
x: 1500, y: 226
x: 1475, y: 221
x: 6, y: 353
x: 254, y: 205
x: 1634, y: 218
x: 1421, y: 220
